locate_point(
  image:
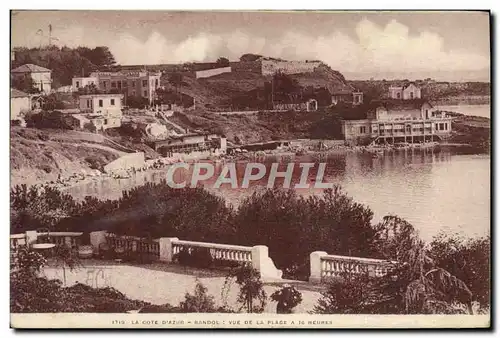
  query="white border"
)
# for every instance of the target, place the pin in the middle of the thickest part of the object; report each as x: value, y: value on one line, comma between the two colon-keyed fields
x: 187, y: 4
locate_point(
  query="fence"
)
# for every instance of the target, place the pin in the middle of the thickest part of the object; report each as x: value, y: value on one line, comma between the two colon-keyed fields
x: 70, y: 239
x: 234, y: 253
x: 324, y: 266
x: 134, y: 244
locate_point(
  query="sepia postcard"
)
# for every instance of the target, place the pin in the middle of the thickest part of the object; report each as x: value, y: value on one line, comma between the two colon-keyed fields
x: 250, y: 169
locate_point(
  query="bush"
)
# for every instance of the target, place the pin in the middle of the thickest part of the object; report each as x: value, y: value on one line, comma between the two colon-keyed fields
x: 46, y: 168
x: 287, y: 297
x: 468, y: 260
x: 345, y: 295
x: 196, y: 257
x: 199, y: 302
x: 94, y: 162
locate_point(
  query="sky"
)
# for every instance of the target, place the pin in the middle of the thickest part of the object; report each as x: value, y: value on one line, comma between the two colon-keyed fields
x: 449, y: 46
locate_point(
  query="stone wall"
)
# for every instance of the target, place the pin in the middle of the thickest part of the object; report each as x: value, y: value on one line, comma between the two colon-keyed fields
x: 270, y: 67
x: 247, y: 66
x: 212, y: 72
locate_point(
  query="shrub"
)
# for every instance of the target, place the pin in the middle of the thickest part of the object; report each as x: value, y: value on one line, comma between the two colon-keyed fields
x: 46, y: 168
x: 94, y: 162
x: 199, y: 302
x: 345, y: 295
x: 468, y: 260
x: 287, y: 297
x: 196, y: 257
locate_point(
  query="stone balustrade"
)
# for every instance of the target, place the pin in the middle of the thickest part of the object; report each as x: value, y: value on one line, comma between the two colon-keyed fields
x: 235, y: 253
x: 324, y: 266
x: 133, y: 244
x: 167, y: 247
x: 257, y: 256
x: 17, y: 240
x: 70, y: 239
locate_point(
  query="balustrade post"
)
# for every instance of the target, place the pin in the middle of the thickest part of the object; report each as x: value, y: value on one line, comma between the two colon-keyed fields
x: 68, y: 241
x: 97, y: 238
x: 31, y: 237
x: 259, y: 253
x: 315, y: 264
x: 166, y: 250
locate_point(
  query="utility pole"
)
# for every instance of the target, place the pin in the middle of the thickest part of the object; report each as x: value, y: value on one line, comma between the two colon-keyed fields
x: 272, y: 92
x: 40, y: 32
x: 50, y: 35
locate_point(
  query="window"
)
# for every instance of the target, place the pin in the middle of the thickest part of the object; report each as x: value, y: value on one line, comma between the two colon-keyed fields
x: 100, y: 103
x: 398, y: 95
x: 446, y: 126
x: 145, y: 93
x: 125, y: 84
x: 113, y: 84
x: 362, y: 130
x: 156, y: 83
x: 411, y: 95
x: 112, y: 102
x: 88, y: 103
x: 144, y: 83
x: 133, y: 83
x: 106, y: 121
x: 77, y: 84
x: 119, y: 85
x: 104, y: 84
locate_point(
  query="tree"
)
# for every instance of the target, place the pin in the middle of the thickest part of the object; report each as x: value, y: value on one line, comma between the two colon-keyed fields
x: 251, y: 288
x: 102, y: 57
x: 469, y: 260
x: 25, y: 84
x: 428, y: 288
x: 293, y: 226
x: 89, y: 89
x: 66, y: 257
x: 250, y: 57
x: 222, y: 62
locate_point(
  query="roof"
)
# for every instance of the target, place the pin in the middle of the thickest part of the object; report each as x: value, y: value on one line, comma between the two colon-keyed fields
x: 80, y: 117
x: 402, y: 85
x: 401, y: 104
x: 30, y: 68
x: 88, y: 96
x: 17, y: 93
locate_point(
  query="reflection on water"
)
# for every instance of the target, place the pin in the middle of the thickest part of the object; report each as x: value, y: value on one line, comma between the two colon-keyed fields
x: 483, y: 110
x: 434, y: 190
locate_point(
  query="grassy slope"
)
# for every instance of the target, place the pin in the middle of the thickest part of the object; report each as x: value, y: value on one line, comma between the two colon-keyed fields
x: 261, y: 127
x: 220, y: 88
x: 38, y: 155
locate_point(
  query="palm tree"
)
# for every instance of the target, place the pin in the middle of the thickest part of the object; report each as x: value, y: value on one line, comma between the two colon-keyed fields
x: 427, y: 287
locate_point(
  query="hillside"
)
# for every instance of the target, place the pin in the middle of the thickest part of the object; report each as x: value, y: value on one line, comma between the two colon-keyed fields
x: 43, y: 155
x: 446, y: 93
x: 241, y: 129
x: 65, y: 62
x: 228, y: 89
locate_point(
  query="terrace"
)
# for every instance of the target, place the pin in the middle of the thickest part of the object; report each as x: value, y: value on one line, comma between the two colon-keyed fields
x: 150, y: 270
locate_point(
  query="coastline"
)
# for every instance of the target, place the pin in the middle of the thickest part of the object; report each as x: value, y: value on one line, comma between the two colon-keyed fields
x: 163, y: 163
